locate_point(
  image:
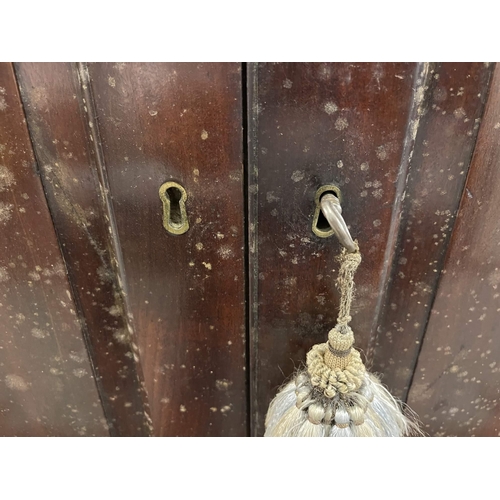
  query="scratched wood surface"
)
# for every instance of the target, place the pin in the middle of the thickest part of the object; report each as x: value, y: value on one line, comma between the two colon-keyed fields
x: 186, y: 293
x: 310, y: 125
x: 442, y: 135
x: 398, y: 140
x: 59, y: 115
x: 456, y: 384
x: 47, y: 383
x: 162, y: 316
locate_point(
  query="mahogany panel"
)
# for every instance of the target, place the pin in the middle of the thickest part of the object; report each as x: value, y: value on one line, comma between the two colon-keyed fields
x: 60, y: 119
x: 313, y: 124
x: 448, y: 114
x: 48, y: 388
x: 181, y: 122
x: 455, y: 388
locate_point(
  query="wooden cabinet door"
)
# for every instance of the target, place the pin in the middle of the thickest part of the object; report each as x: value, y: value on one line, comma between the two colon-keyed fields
x: 456, y: 383
x: 112, y: 325
x: 397, y: 139
x: 164, y: 314
x: 48, y: 382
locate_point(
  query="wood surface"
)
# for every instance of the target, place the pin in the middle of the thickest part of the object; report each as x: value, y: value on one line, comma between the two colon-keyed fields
x: 441, y: 135
x: 310, y: 125
x: 456, y: 385
x: 185, y: 293
x: 397, y: 139
x: 109, y: 324
x: 60, y: 116
x: 47, y: 382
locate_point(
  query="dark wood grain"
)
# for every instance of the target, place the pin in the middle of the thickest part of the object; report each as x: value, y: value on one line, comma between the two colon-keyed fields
x: 455, y: 388
x: 310, y: 125
x: 181, y: 122
x: 441, y: 139
x: 60, y: 119
x: 48, y: 388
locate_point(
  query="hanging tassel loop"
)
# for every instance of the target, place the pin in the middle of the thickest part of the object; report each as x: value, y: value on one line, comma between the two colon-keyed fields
x: 335, y: 367
x: 341, y: 337
x: 349, y: 263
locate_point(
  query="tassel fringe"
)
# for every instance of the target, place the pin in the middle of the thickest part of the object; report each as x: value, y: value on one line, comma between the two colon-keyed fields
x: 299, y: 410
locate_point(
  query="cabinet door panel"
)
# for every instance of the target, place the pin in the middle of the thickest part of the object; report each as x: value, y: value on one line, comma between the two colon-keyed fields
x: 455, y: 388
x: 182, y: 123
x: 397, y: 139
x: 59, y: 113
x: 48, y: 387
x: 448, y: 116
x: 312, y: 125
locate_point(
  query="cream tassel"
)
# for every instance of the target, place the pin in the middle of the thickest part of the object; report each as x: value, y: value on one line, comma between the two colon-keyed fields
x: 335, y: 396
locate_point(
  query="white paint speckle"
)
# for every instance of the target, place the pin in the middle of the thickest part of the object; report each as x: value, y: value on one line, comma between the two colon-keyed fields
x: 381, y: 153
x: 225, y: 252
x: 5, y: 212
x: 204, y: 135
x: 16, y: 383
x: 115, y: 310
x: 494, y: 278
x: 341, y: 124
x: 459, y: 113
x: 330, y: 107
x: 364, y: 166
x: 3, y: 102
x: 223, y: 385
x: 111, y: 81
x: 4, y: 275
x: 287, y: 83
x: 38, y: 333
x: 270, y: 197
x: 340, y: 164
x: 80, y: 372
x: 153, y: 112
x: 297, y: 176
x: 6, y: 178
x: 78, y: 358
x: 182, y: 409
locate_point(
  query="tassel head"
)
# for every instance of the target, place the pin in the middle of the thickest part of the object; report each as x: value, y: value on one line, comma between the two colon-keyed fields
x: 334, y: 396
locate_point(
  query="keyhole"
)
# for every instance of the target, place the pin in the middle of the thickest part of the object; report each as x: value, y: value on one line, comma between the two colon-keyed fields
x: 320, y: 226
x: 173, y: 197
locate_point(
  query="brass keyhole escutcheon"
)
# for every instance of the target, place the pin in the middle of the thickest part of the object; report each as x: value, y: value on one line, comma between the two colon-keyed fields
x: 174, y: 196
x: 320, y: 226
